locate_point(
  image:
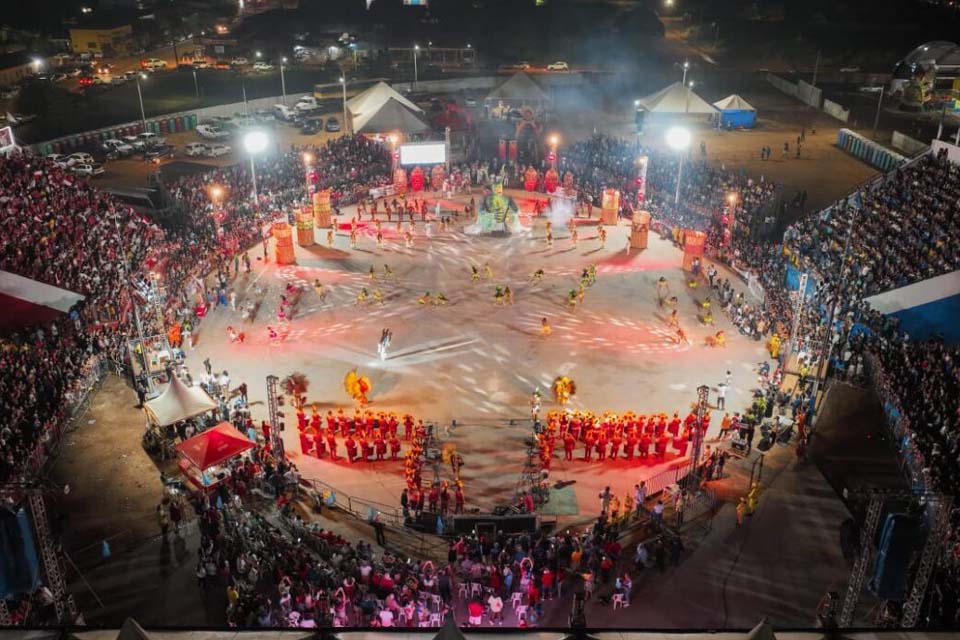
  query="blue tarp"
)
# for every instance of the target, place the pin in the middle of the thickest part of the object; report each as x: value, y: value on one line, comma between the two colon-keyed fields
x: 738, y: 119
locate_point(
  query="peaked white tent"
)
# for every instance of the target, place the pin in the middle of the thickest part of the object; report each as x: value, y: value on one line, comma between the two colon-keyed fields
x: 733, y: 102
x: 178, y: 402
x: 518, y: 89
x: 735, y: 112
x: 365, y: 105
x: 677, y: 98
x: 393, y: 116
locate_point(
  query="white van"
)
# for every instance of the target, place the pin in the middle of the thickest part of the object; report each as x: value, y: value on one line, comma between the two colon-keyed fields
x: 307, y: 103
x: 283, y: 112
x: 195, y: 149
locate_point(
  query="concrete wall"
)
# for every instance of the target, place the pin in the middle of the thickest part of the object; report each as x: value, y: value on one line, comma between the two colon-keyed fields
x: 908, y: 145
x: 809, y: 94
x: 953, y: 151
x: 833, y: 109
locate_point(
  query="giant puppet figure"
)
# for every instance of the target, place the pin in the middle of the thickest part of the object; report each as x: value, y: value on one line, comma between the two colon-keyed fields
x: 497, y: 213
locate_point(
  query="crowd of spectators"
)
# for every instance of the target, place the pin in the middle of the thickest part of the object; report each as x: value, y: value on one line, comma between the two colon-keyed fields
x: 58, y: 229
x: 285, y: 573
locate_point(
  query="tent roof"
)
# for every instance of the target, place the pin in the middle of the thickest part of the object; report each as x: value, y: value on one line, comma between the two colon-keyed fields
x: 676, y: 99
x: 519, y: 86
x: 763, y: 631
x: 371, y: 100
x: 392, y: 116
x: 178, y: 402
x: 131, y: 630
x: 449, y: 631
x: 214, y: 445
x: 733, y: 102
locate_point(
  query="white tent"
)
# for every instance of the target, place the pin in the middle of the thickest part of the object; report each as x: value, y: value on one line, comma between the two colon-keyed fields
x: 677, y: 99
x: 393, y: 116
x: 733, y: 102
x: 518, y: 89
x: 365, y: 105
x: 178, y: 402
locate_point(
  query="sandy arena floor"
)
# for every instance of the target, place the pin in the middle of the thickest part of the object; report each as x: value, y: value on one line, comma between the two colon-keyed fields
x: 474, y: 361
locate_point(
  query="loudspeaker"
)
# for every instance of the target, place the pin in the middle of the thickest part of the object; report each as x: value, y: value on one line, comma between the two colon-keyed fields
x: 522, y: 523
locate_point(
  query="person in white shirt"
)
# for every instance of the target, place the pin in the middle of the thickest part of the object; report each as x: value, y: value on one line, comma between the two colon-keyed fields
x: 386, y: 618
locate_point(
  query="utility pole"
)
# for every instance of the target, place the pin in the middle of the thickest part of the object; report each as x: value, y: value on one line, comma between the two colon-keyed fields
x: 816, y: 68
x: 876, y: 120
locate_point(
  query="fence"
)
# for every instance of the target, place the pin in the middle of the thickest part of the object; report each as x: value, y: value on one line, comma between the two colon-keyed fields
x: 908, y: 145
x: 810, y: 95
x: 912, y: 462
x: 833, y: 109
x: 662, y: 480
x: 76, y: 403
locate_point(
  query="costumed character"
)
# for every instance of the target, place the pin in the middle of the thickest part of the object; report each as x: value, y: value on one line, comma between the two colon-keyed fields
x: 563, y: 389
x: 437, y: 175
x: 551, y: 180
x: 357, y: 386
x: 530, y: 179
x: 497, y: 213
x: 416, y: 179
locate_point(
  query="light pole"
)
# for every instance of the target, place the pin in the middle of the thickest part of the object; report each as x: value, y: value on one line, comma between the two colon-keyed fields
x: 554, y: 141
x: 876, y: 120
x: 416, y: 48
x: 689, y: 91
x: 283, y: 81
x: 196, y: 84
x: 686, y: 65
x: 678, y: 139
x: 143, y: 115
x: 255, y: 142
x: 343, y: 82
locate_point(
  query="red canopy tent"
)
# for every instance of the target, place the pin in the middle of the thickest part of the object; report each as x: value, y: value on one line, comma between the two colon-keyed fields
x: 214, y: 446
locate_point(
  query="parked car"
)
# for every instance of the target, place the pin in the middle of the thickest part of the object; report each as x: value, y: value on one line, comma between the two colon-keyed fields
x: 264, y: 116
x: 119, y: 147
x: 217, y: 150
x: 262, y: 66
x: 159, y: 152
x: 332, y: 125
x: 86, y: 81
x: 202, y: 64
x: 285, y: 113
x: 239, y: 61
x: 306, y: 103
x: 130, y: 74
x: 211, y: 133
x: 135, y: 142
x: 119, y: 80
x: 196, y: 149
x: 310, y: 126
x: 559, y: 65
x: 87, y: 169
x: 79, y: 157
x: 58, y: 77
x: 151, y: 139
x: 222, y: 65
x: 58, y: 159
x: 470, y: 102
x: 104, y: 67
x: 154, y: 64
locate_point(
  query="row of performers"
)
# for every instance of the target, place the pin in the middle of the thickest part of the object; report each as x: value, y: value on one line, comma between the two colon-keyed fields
x: 606, y: 434
x: 361, y: 423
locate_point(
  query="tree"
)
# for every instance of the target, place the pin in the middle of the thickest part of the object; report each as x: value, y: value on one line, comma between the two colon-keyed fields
x: 296, y: 385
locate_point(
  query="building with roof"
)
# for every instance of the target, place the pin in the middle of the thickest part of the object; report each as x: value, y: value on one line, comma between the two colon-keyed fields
x: 108, y: 39
x: 937, y: 63
x: 364, y: 106
x: 519, y: 90
x: 14, y: 67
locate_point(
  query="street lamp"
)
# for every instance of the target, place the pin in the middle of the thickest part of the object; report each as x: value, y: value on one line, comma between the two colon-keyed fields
x: 686, y: 65
x: 143, y: 115
x: 196, y: 84
x: 689, y: 91
x: 255, y: 142
x: 283, y: 81
x: 343, y: 82
x: 678, y: 139
x: 416, y: 48
x: 257, y: 54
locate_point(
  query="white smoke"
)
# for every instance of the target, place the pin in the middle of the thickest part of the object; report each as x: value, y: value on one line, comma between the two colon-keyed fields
x: 560, y: 211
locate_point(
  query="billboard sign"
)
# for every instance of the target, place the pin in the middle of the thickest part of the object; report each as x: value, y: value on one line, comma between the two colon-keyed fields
x: 423, y: 153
